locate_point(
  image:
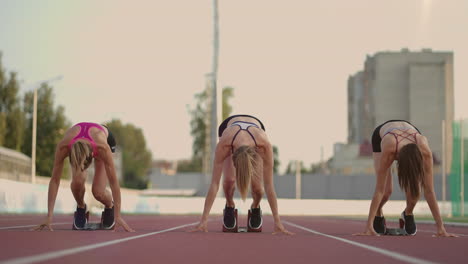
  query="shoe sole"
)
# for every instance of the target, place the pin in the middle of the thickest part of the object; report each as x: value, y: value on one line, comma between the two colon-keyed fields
x: 234, y: 229
x: 253, y: 229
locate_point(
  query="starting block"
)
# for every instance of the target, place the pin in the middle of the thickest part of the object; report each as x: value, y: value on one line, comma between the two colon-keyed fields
x: 92, y: 226
x: 243, y: 229
x: 395, y: 232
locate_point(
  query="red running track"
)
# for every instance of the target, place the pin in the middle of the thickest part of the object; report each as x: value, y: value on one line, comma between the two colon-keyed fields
x: 164, y: 239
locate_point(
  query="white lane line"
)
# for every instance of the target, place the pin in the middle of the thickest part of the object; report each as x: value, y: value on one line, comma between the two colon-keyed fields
x: 13, y: 227
x: 388, y: 253
x: 70, y: 251
x: 428, y: 231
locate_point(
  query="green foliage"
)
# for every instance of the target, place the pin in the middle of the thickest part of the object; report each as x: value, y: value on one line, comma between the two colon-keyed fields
x: 11, y: 117
x: 51, y: 127
x: 276, y: 159
x: 228, y: 93
x: 198, y: 127
x: 291, y: 168
x: 136, y: 158
x: 193, y: 165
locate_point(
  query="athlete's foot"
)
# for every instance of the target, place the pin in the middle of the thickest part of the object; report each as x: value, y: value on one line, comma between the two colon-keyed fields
x: 255, y: 220
x: 80, y: 218
x: 229, y: 218
x: 380, y: 225
x: 107, y: 218
x: 407, y: 222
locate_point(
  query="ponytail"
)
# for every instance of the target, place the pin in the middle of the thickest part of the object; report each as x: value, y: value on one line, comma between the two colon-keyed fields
x: 81, y: 156
x: 245, y: 162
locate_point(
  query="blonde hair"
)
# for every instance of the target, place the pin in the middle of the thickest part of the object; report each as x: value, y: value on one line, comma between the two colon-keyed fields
x: 245, y: 162
x: 81, y: 155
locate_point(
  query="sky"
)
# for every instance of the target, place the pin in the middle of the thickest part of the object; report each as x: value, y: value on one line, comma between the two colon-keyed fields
x: 288, y: 61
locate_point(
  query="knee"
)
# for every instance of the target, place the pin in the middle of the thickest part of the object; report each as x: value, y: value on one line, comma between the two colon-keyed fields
x: 257, y: 190
x: 229, y: 183
x: 98, y: 193
x: 387, y: 194
x: 77, y: 183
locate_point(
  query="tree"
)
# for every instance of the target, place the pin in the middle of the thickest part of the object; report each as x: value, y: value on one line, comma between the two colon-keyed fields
x: 276, y: 161
x: 199, y: 127
x: 136, y: 158
x: 228, y: 93
x: 51, y: 126
x: 11, y: 116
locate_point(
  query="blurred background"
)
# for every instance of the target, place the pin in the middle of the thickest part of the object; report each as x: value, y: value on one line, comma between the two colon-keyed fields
x: 321, y: 75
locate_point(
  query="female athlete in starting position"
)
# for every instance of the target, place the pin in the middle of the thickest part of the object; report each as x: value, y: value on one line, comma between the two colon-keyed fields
x: 401, y: 141
x: 81, y: 144
x: 245, y: 155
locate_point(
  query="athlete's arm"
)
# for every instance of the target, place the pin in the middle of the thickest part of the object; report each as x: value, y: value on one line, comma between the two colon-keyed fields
x: 61, y: 153
x: 429, y: 192
x: 220, y: 155
x: 270, y: 188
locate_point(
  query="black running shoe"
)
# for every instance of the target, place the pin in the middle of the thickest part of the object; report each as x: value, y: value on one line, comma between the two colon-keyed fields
x: 108, y: 218
x: 229, y: 219
x: 379, y: 225
x: 80, y: 220
x: 256, y: 220
x: 407, y: 223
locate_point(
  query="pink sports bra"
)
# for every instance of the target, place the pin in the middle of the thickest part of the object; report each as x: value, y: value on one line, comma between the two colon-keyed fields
x: 84, y: 134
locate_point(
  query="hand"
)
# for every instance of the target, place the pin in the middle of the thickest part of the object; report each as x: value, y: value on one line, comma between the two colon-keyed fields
x: 120, y: 222
x: 40, y: 227
x: 202, y: 226
x: 443, y: 233
x: 368, y: 232
x: 279, y: 228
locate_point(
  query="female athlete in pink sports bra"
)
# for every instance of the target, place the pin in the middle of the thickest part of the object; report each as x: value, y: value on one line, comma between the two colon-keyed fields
x: 81, y: 144
x: 401, y: 141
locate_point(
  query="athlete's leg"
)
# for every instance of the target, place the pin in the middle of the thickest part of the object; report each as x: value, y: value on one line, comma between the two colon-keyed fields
x: 99, y: 184
x: 388, y: 184
x: 78, y: 187
x: 257, y: 184
x: 229, y: 182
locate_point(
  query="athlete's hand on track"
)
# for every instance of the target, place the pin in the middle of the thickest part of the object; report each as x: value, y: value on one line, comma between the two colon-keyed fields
x: 279, y: 228
x: 120, y: 222
x: 202, y: 226
x: 368, y: 232
x: 40, y: 227
x: 443, y: 233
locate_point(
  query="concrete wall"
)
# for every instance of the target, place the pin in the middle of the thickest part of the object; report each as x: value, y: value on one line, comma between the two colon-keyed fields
x: 314, y: 186
x: 20, y: 197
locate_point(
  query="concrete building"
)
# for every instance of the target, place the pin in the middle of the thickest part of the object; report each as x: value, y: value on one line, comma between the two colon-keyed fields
x: 413, y: 86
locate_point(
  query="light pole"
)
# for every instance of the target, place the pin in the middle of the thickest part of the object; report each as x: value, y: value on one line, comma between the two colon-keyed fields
x: 214, y: 75
x: 33, y: 148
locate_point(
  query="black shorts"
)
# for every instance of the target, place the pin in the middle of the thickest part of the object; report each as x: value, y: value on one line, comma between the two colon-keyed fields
x: 110, y: 139
x: 376, y: 139
x: 223, y: 125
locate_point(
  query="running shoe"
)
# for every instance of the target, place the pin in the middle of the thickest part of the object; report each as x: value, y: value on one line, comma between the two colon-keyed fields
x: 229, y: 218
x: 255, y: 220
x: 107, y: 218
x: 407, y: 223
x: 80, y: 218
x: 379, y: 225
